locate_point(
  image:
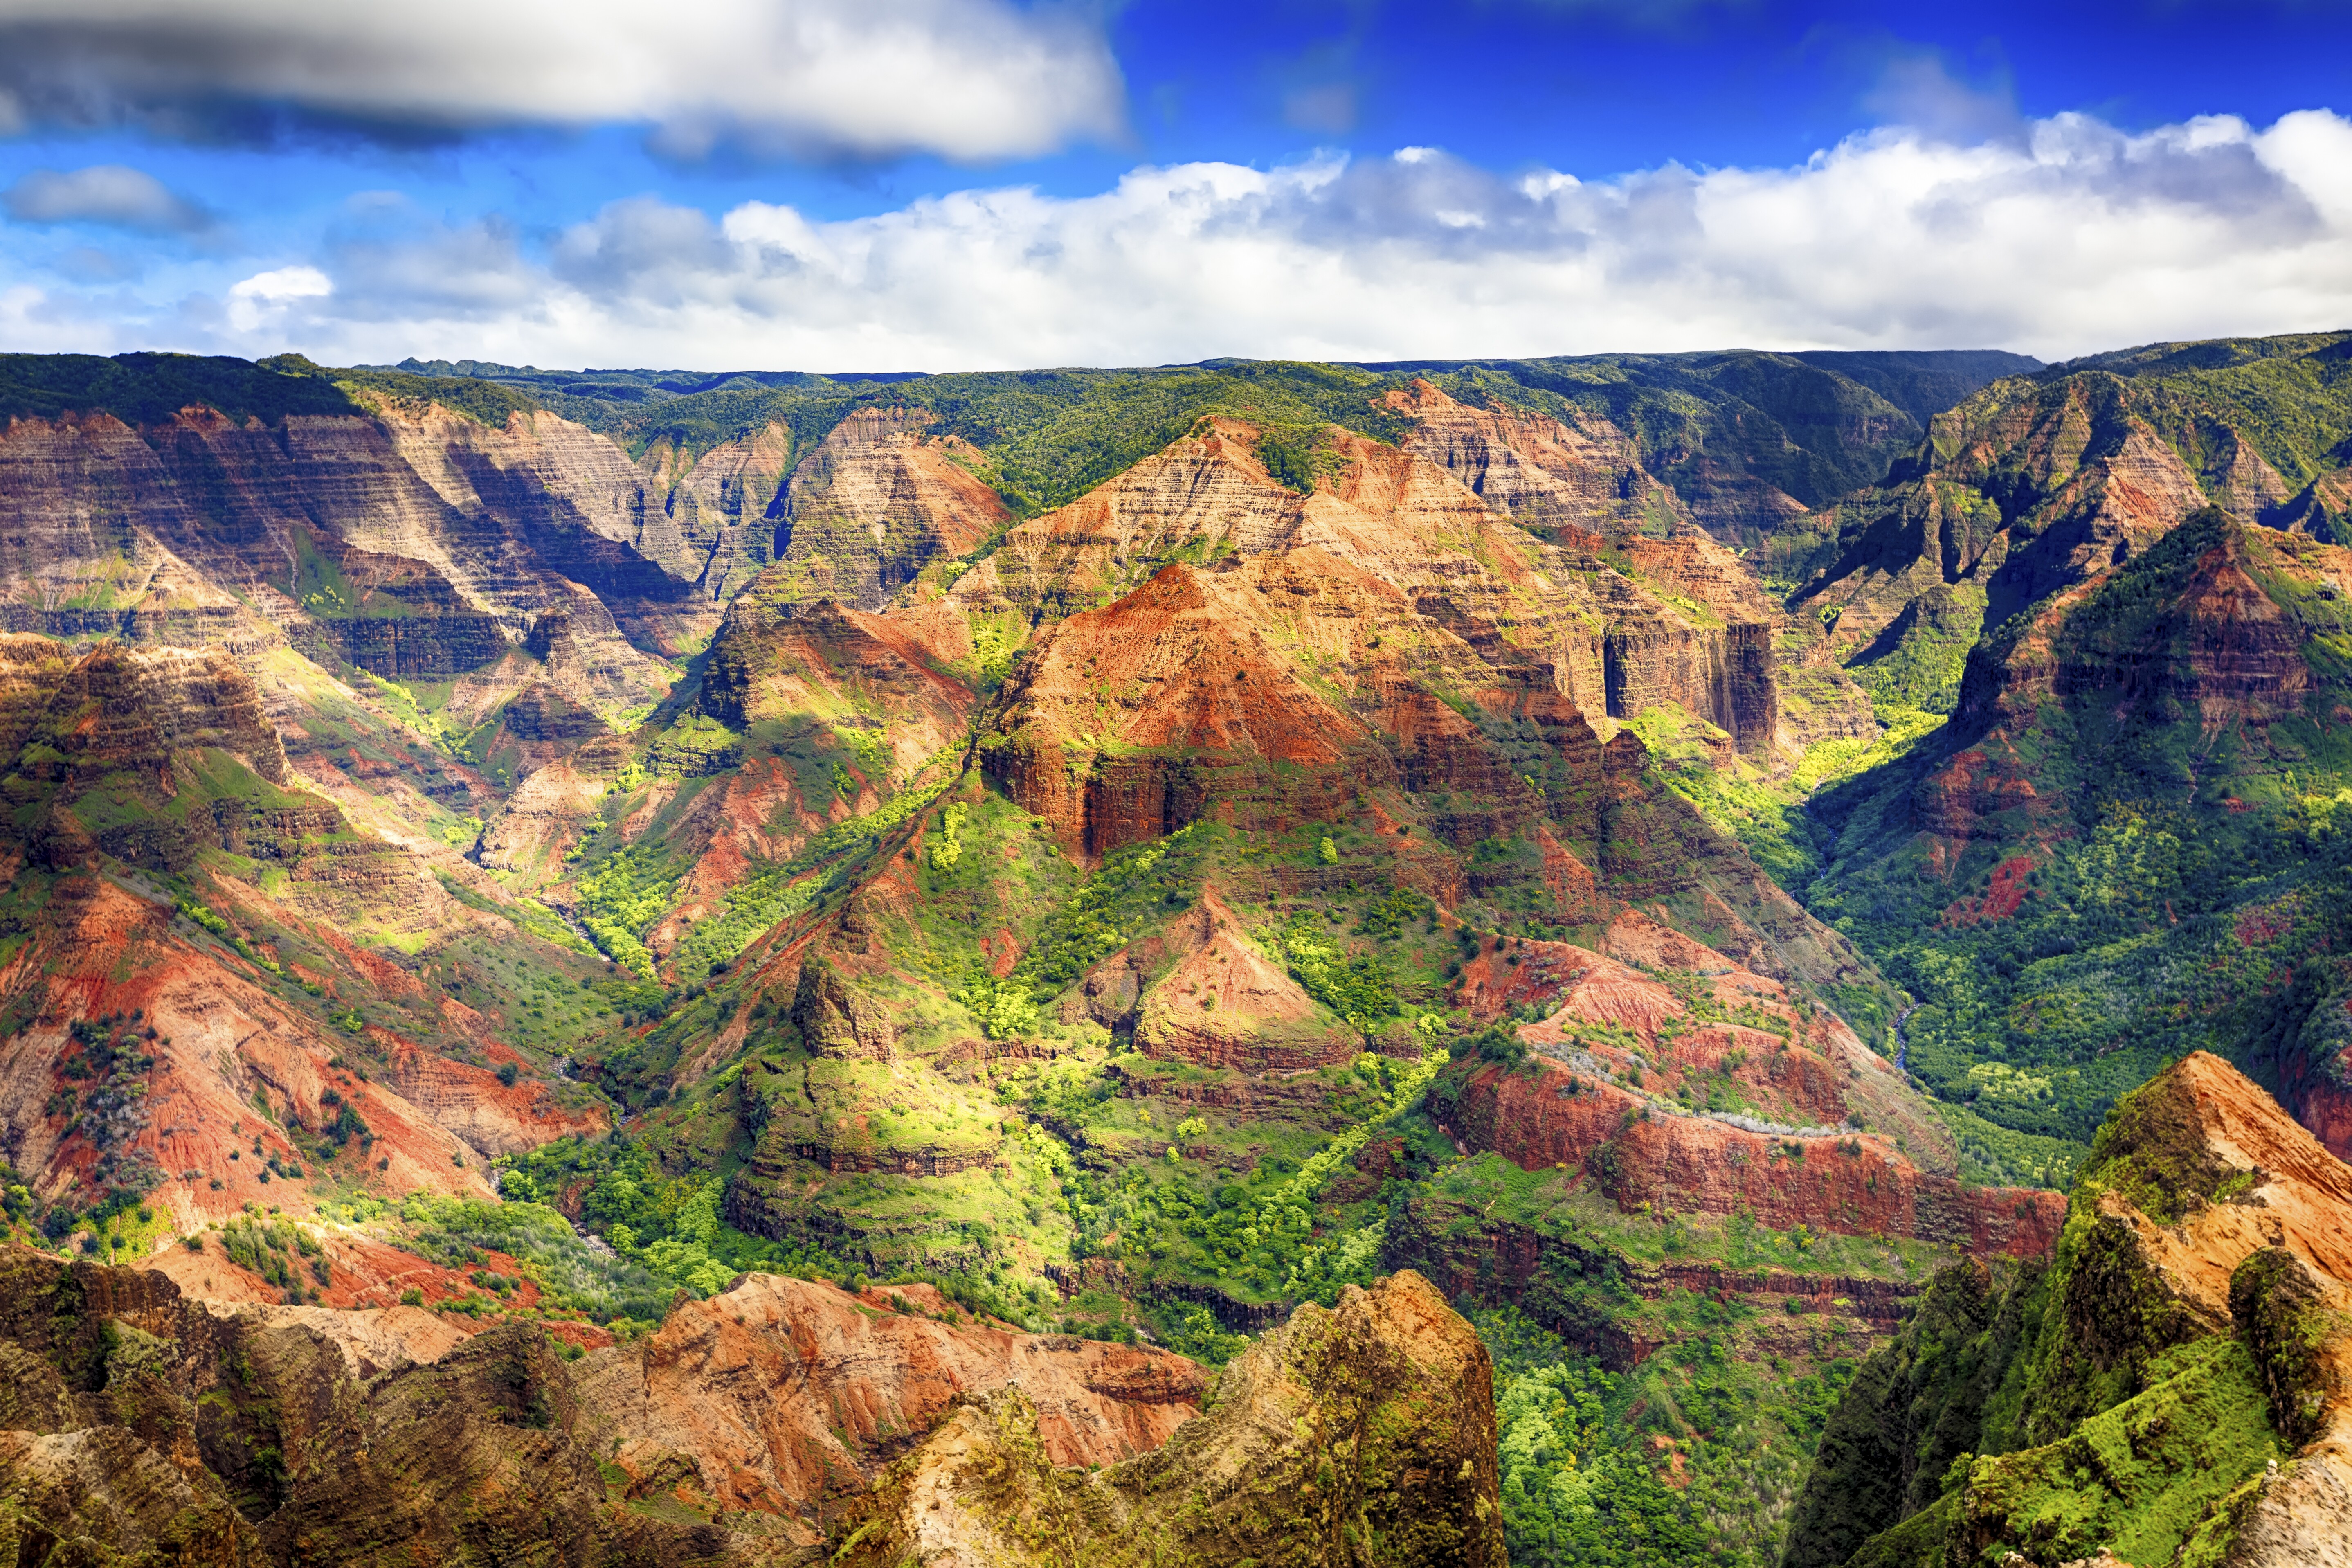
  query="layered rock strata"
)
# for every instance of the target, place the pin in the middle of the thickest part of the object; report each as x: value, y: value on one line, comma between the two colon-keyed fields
x: 1370, y: 1424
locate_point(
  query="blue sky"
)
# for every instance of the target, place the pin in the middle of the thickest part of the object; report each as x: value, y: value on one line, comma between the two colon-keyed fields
x: 935, y: 183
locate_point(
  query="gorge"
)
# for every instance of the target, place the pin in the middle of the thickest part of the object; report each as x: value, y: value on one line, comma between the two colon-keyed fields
x: 1639, y: 959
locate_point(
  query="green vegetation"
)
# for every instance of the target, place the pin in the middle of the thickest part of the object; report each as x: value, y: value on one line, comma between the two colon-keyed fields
x: 1357, y: 988
x: 2164, y: 891
x: 667, y: 1226
x: 2064, y: 1407
x: 149, y: 388
x: 1136, y: 887
x: 1678, y: 1462
x: 948, y: 848
x: 2143, y: 1477
x: 571, y: 1275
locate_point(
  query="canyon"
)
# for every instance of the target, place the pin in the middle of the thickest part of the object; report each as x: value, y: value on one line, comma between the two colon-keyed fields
x: 1199, y: 962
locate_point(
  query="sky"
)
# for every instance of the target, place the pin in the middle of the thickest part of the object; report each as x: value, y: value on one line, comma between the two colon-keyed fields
x: 846, y: 185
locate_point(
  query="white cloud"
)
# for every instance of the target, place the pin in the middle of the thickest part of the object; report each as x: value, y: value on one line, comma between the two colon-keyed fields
x: 111, y: 194
x: 2065, y: 237
x: 264, y: 299
x: 965, y: 78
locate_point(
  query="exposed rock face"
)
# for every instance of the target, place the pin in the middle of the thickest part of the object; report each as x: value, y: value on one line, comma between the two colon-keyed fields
x: 725, y: 507
x: 785, y: 1397
x: 1686, y: 1163
x: 871, y: 503
x: 1206, y: 713
x: 155, y: 755
x: 2025, y: 491
x: 1803, y: 1070
x: 493, y: 1117
x: 1224, y: 1004
x: 222, y: 1038
x: 148, y: 1430
x: 1537, y: 471
x: 2196, y: 1327
x: 141, y: 1421
x: 824, y: 663
x: 542, y: 819
x: 117, y: 708
x: 2224, y: 650
x: 838, y: 1020
x: 1687, y: 622
x: 1208, y: 493
x: 1372, y: 1424
x: 2185, y: 628
x: 416, y: 545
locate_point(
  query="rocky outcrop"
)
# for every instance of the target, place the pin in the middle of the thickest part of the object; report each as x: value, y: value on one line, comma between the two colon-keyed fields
x: 214, y: 1042
x: 1617, y: 1073
x: 785, y: 1397
x: 1582, y: 484
x: 825, y: 664
x: 154, y: 756
x: 119, y: 708
x: 1207, y: 495
x: 2106, y: 668
x: 543, y: 819
x: 1543, y: 473
x: 2220, y: 647
x: 724, y: 508
x: 1849, y: 1183
x: 2026, y: 490
x: 2195, y: 1332
x: 147, y: 1429
x: 1370, y: 1424
x: 836, y: 1019
x: 1202, y: 711
x: 1224, y: 1004
x: 492, y: 1116
x: 1688, y: 622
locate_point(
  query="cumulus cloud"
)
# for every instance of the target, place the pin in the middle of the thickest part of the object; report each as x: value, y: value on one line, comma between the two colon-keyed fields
x: 2065, y: 237
x: 971, y: 79
x: 110, y: 193
x: 264, y: 299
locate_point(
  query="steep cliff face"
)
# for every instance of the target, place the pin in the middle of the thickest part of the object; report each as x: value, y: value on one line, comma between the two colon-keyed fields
x: 2189, y: 672
x: 418, y: 543
x: 1547, y: 473
x: 155, y: 757
x: 826, y: 665
x: 874, y: 501
x: 120, y: 708
x: 145, y: 1422
x: 2190, y: 1328
x: 1615, y: 607
x: 151, y: 1430
x: 724, y: 507
x: 1372, y: 1424
x: 2032, y: 488
x: 1205, y: 712
x: 1207, y: 495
